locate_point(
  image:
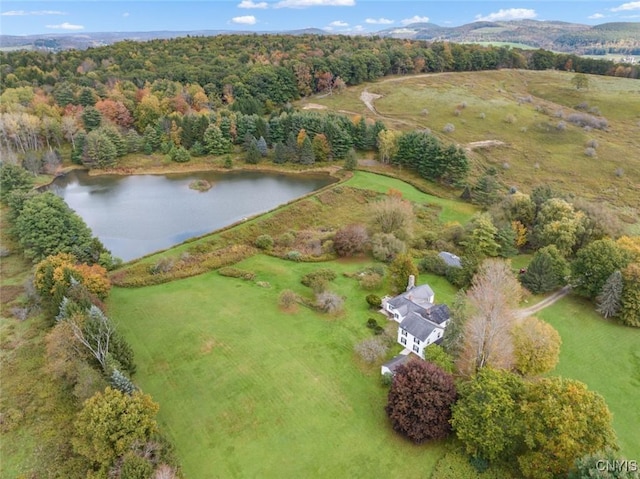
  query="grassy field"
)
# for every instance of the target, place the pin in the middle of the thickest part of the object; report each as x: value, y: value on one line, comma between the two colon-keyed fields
x: 249, y: 391
x: 606, y: 357
x: 451, y: 210
x: 522, y: 109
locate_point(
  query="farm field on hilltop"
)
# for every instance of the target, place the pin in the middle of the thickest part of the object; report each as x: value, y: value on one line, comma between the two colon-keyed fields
x: 247, y: 390
x: 530, y: 112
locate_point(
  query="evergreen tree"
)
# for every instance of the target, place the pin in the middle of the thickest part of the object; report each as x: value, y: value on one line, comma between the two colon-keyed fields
x: 253, y: 153
x: 151, y: 140
x: 486, y: 190
x: 279, y: 153
x: 546, y: 272
x: 262, y: 146
x: 630, y: 312
x: 78, y: 148
x: 609, y: 299
x: 215, y: 143
x: 306, y: 152
x: 121, y: 382
x: 91, y: 118
x: 351, y: 163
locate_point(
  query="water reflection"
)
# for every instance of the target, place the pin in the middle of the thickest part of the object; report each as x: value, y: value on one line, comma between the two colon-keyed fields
x: 136, y: 215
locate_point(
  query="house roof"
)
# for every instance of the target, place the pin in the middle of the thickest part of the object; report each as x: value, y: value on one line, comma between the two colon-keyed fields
x: 450, y: 259
x: 396, y: 362
x: 419, y: 296
x: 438, y: 313
x: 417, y: 326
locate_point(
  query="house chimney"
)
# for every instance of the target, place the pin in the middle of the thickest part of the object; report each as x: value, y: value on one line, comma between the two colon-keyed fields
x: 412, y: 282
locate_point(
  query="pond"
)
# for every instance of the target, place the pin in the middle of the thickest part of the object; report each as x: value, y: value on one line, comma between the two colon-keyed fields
x: 139, y: 214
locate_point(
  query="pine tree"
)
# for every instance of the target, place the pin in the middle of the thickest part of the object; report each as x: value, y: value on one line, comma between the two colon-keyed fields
x: 262, y: 146
x: 546, y: 271
x: 609, y: 299
x: 121, y: 382
x: 279, y: 153
x: 253, y: 153
x: 306, y: 152
x: 215, y: 143
x: 351, y: 162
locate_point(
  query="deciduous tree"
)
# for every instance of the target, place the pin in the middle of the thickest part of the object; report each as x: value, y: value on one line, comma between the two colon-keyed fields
x: 486, y: 418
x: 420, y: 400
x: 595, y: 263
x: 492, y: 299
x: 111, y: 422
x: 565, y: 421
x: 630, y: 312
x: 536, y: 346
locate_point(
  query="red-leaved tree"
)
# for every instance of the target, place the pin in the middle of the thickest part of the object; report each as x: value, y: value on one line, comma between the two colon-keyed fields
x: 420, y: 401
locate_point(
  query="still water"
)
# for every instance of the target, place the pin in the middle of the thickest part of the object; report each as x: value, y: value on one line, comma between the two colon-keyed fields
x: 137, y: 215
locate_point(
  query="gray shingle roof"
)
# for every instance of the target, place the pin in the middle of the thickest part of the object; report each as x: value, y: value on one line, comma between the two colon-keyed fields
x: 451, y: 259
x: 417, y: 326
x: 396, y: 362
x: 438, y: 313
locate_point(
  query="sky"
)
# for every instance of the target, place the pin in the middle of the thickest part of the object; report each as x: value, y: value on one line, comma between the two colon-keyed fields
x: 337, y: 16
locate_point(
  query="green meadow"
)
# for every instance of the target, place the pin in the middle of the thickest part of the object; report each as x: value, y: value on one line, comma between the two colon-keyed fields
x: 605, y: 356
x: 247, y: 390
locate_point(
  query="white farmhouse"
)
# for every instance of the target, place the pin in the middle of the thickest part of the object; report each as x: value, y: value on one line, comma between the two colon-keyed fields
x: 421, y: 321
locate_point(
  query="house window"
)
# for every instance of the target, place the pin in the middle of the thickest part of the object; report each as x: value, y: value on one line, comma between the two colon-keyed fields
x: 404, y: 332
x: 403, y: 341
x: 416, y: 340
x: 416, y: 348
x: 439, y: 333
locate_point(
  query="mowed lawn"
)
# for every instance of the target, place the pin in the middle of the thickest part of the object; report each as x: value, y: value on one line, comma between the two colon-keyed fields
x: 605, y: 356
x: 247, y: 390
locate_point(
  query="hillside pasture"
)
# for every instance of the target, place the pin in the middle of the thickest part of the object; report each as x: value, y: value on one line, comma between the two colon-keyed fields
x: 529, y: 111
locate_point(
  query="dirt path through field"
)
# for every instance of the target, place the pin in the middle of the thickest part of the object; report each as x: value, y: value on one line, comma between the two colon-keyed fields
x: 531, y: 310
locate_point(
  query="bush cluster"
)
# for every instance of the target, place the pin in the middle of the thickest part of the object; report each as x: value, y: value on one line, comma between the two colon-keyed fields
x: 233, y: 272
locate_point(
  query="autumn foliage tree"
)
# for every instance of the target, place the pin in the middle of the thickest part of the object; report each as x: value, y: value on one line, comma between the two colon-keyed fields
x: 565, y: 421
x: 111, y: 422
x: 420, y: 399
x: 536, y: 347
x: 492, y: 299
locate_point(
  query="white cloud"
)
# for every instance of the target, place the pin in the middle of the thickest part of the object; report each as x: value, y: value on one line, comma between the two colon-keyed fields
x: 251, y: 4
x: 358, y: 28
x: 338, y: 23
x: 595, y: 16
x: 508, y: 14
x: 378, y: 21
x: 627, y: 6
x: 414, y: 19
x: 66, y: 26
x: 21, y: 13
x: 244, y: 20
x: 314, y: 3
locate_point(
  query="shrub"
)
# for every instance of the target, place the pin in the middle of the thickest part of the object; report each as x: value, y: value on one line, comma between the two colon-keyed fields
x: 374, y: 326
x: 561, y: 126
x: 511, y: 119
x: 619, y: 172
x: 385, y: 246
x: 350, y: 240
x: 370, y: 281
x: 374, y: 301
x: 321, y: 275
x: 448, y: 128
x: 590, y: 152
x: 432, y: 263
x: 329, y: 302
x: 163, y: 265
x: 592, y: 143
x: 288, y: 299
x: 264, y: 242
x: 286, y: 239
x: 586, y: 120
x: 293, y: 255
x: 371, y: 350
x: 232, y: 272
x: 386, y: 380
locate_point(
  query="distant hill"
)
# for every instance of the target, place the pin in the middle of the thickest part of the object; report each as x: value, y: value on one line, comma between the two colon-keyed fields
x: 607, y: 38
x: 65, y: 41
x: 619, y: 38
